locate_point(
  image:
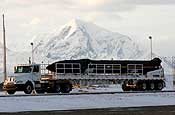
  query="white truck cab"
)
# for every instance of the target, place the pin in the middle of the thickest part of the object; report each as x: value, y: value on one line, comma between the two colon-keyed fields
x: 29, y: 77
x: 24, y: 78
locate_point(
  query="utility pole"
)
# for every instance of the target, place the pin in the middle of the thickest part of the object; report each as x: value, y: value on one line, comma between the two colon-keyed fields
x: 150, y: 37
x: 4, y: 44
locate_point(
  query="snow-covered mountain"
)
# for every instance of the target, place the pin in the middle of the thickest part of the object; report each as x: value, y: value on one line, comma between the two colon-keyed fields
x: 79, y: 39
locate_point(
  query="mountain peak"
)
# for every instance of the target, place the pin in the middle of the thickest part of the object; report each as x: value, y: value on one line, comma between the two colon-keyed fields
x: 76, y: 26
x: 75, y: 23
x: 80, y: 39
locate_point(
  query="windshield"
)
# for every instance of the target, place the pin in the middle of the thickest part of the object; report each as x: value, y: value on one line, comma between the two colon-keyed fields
x: 23, y: 69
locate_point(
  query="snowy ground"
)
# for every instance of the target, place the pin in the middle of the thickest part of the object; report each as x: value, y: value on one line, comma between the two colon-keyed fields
x: 70, y: 102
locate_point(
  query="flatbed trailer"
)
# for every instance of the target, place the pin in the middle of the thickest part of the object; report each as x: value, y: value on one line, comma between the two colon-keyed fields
x: 61, y: 76
x: 132, y: 74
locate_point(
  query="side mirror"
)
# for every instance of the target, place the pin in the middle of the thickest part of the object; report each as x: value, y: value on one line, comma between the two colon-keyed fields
x: 15, y: 69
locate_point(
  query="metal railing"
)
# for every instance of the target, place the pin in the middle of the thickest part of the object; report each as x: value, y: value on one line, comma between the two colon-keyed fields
x: 135, y: 69
x: 104, y: 69
x: 68, y: 68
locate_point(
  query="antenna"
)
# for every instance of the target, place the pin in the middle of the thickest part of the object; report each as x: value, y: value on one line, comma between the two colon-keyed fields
x: 4, y: 43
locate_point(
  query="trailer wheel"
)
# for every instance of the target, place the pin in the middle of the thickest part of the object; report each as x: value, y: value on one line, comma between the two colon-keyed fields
x: 139, y: 86
x: 66, y: 88
x: 28, y: 88
x: 152, y: 86
x: 57, y: 88
x: 144, y: 86
x: 160, y: 85
x: 11, y: 92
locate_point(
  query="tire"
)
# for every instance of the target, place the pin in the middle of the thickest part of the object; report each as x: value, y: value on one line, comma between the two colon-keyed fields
x: 152, y: 86
x: 144, y: 86
x: 160, y: 85
x: 125, y: 88
x: 57, y: 88
x: 66, y: 88
x: 11, y: 92
x: 139, y: 86
x: 28, y: 88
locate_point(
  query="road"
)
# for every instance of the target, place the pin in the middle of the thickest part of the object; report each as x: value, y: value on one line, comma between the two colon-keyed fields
x: 160, y: 110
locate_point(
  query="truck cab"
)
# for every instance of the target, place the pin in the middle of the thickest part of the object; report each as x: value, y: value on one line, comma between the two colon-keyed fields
x: 23, y: 79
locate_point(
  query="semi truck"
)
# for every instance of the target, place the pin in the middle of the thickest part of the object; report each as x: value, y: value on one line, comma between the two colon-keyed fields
x: 61, y: 76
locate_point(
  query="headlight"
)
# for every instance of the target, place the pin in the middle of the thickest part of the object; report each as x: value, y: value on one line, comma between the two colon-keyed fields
x: 13, y: 79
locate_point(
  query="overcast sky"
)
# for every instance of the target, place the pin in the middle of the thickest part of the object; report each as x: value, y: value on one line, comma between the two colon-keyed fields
x: 137, y: 19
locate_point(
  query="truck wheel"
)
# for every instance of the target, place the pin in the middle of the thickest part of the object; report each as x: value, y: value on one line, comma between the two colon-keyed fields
x: 144, y: 86
x: 28, y: 88
x: 66, y: 88
x: 11, y: 92
x: 159, y: 85
x: 57, y: 88
x: 125, y: 88
x: 152, y: 86
x: 139, y: 86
